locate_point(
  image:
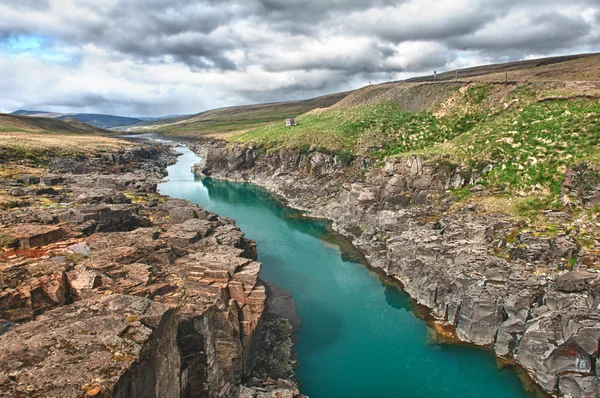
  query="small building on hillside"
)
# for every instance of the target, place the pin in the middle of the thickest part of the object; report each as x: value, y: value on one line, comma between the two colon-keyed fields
x: 290, y: 121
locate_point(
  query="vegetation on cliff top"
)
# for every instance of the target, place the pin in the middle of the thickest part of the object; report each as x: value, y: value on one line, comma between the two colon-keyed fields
x: 40, y: 145
x: 226, y: 121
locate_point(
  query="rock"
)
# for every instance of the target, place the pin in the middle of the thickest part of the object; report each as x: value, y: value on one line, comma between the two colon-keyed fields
x: 188, y: 232
x: 479, y: 319
x: 246, y: 392
x: 93, y: 335
x: 577, y: 386
x: 530, y: 248
x: 81, y: 248
x: 46, y: 191
x: 564, y: 247
x: 574, y: 281
x: 582, y: 183
x: 82, y: 279
x: 31, y: 180
x: 107, y: 218
x: 18, y: 192
x: 446, y: 258
x: 102, y: 195
x: 178, y: 215
x: 32, y: 235
x: 144, y: 306
x: 51, y: 180
x: 569, y: 358
x: 277, y: 393
x: 5, y: 326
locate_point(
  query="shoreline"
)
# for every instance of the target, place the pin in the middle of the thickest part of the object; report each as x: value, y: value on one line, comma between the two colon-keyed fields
x: 420, y: 311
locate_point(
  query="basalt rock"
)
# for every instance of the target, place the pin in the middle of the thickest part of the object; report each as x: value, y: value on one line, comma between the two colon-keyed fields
x: 32, y: 235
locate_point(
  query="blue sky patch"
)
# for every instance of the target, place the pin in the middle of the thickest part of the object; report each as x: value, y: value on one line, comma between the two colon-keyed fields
x: 33, y: 46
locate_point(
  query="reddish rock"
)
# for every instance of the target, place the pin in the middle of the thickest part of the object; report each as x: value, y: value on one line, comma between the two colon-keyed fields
x: 32, y: 235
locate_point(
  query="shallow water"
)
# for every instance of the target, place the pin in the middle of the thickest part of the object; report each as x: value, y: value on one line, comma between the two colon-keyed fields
x: 358, y: 336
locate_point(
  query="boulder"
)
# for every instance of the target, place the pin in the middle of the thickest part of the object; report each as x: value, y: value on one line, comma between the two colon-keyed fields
x: 51, y: 180
x: 178, y: 215
x: 34, y: 235
x: 569, y: 358
x: 5, y: 326
x: 578, y: 386
x: 574, y: 281
x: 81, y: 248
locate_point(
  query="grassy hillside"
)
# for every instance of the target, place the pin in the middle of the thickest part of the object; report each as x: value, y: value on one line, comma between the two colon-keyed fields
x: 530, y: 67
x: 12, y: 123
x: 226, y: 121
x: 529, y: 131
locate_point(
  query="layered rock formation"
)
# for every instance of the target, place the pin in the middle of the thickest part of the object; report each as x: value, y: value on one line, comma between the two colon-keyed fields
x: 111, y: 290
x: 511, y: 292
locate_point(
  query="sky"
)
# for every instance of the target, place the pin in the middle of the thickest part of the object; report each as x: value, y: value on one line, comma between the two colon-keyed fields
x: 159, y: 57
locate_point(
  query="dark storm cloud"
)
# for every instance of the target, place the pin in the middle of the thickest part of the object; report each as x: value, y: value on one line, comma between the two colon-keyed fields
x: 250, y: 50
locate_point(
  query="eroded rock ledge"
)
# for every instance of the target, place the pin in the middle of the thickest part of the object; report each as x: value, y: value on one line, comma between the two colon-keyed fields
x: 109, y: 289
x: 482, y: 285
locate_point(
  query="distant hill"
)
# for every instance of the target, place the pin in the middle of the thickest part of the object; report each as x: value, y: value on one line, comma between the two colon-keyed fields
x: 16, y: 123
x: 226, y: 121
x: 500, y: 68
x: 98, y: 120
x: 152, y: 118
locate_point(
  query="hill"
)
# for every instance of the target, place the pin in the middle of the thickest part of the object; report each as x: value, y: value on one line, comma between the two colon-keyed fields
x: 38, y: 138
x: 529, y: 130
x: 17, y: 123
x: 226, y: 121
x: 98, y: 120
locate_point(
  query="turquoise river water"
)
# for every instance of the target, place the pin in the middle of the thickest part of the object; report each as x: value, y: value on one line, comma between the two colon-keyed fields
x: 358, y: 336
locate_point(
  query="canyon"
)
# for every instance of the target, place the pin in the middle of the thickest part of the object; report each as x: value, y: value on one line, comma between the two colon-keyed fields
x: 482, y: 283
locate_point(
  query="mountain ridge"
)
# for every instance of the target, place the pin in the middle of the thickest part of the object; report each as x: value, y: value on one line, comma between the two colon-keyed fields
x: 95, y: 119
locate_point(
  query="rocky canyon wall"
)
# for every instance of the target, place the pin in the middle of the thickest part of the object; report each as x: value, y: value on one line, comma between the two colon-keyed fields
x: 109, y: 289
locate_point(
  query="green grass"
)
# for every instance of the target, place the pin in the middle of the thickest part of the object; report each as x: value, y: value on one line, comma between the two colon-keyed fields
x: 478, y: 93
x: 19, y: 152
x: 532, y: 147
x: 378, y: 130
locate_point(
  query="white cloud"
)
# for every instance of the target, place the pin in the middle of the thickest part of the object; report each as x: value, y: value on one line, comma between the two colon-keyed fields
x: 152, y: 57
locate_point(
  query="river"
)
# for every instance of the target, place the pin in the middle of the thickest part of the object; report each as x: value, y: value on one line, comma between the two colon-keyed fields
x: 358, y: 336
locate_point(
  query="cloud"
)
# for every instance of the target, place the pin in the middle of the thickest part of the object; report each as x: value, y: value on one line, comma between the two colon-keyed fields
x: 150, y: 57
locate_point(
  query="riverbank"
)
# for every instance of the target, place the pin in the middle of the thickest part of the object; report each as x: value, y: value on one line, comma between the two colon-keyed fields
x: 525, y: 306
x: 152, y: 296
